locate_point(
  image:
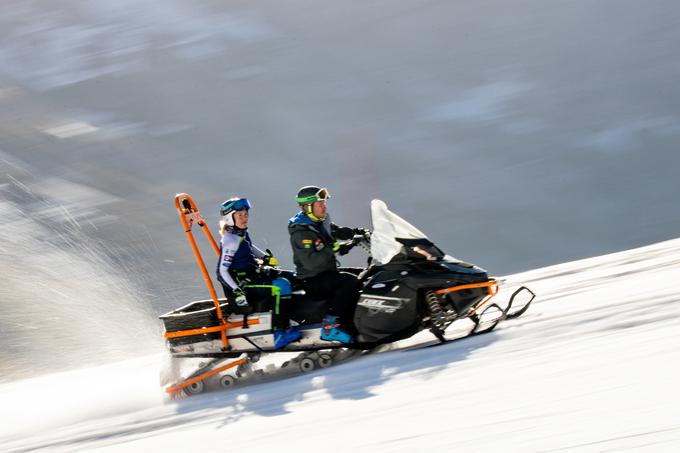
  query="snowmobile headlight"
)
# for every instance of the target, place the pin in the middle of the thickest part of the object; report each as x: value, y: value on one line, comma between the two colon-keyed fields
x: 383, y: 304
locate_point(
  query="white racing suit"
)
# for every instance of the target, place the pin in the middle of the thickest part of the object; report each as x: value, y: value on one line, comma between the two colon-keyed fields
x: 239, y: 272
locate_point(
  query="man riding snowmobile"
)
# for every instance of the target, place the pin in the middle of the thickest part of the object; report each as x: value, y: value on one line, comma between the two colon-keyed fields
x: 313, y: 240
x: 243, y: 278
x: 409, y: 286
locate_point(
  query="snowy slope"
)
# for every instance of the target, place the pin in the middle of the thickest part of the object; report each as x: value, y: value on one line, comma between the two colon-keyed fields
x: 594, y: 365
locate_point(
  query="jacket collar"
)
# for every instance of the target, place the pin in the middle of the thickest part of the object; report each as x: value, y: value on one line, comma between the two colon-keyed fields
x: 302, y: 219
x: 238, y: 231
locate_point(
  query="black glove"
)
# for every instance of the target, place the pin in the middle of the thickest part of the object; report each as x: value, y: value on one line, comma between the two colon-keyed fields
x: 342, y: 233
x: 363, y: 232
x: 344, y: 249
x: 269, y: 259
x: 269, y: 272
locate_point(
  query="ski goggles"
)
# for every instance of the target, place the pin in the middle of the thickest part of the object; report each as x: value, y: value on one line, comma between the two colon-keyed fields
x: 323, y: 194
x: 235, y: 205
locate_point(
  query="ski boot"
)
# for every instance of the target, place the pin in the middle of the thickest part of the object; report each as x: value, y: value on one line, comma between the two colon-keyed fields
x: 283, y: 338
x: 330, y: 330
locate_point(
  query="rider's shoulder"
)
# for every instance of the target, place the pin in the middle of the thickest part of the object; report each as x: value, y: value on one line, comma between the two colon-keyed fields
x: 230, y: 238
x: 300, y: 221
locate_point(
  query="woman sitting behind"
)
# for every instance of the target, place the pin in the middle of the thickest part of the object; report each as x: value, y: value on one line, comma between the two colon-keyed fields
x: 239, y: 272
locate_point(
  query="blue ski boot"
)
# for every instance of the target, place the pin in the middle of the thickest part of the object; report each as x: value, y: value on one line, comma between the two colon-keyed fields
x: 283, y: 338
x: 330, y: 330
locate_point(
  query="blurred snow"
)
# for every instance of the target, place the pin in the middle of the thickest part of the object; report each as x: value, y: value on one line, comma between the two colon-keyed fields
x: 592, y: 366
x: 515, y: 135
x: 68, y: 300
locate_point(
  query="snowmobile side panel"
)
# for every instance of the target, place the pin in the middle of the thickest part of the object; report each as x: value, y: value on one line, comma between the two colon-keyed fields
x: 466, y: 299
x: 385, y: 309
x: 491, y: 285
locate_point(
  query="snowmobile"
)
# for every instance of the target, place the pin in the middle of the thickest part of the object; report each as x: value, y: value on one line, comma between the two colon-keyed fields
x: 409, y: 285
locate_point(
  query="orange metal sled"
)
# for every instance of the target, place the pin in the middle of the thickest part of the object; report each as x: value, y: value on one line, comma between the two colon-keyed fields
x: 190, y: 215
x: 188, y: 382
x: 202, y: 331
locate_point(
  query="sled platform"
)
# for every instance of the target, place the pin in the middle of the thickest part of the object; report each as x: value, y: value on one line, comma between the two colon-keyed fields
x: 199, y: 321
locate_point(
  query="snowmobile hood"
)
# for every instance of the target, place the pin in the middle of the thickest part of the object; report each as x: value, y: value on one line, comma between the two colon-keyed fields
x: 387, y: 226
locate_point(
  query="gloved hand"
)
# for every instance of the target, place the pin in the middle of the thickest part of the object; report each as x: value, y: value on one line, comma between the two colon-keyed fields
x: 342, y: 233
x: 362, y: 232
x: 344, y: 248
x: 269, y: 271
x: 269, y: 259
x: 240, y: 298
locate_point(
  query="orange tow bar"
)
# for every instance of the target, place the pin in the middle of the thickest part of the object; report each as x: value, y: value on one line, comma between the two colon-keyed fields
x: 205, y: 375
x: 190, y: 215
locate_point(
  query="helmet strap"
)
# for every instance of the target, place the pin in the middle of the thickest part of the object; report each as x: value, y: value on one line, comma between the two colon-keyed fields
x: 310, y: 214
x: 307, y: 209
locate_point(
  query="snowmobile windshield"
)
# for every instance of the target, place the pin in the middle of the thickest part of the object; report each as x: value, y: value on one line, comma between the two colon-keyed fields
x: 387, y: 228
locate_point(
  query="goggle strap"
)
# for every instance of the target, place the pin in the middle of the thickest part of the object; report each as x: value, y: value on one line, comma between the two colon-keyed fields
x: 316, y: 197
x: 305, y: 200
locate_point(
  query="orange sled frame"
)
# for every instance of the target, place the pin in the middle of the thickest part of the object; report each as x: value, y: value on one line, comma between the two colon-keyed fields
x: 189, y: 216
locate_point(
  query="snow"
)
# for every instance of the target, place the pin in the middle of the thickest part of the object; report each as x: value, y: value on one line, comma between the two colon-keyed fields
x: 592, y: 366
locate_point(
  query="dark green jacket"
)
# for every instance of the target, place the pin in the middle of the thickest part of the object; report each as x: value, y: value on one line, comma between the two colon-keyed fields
x: 314, y: 244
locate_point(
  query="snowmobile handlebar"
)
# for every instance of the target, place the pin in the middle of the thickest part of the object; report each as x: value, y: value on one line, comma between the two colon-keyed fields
x: 364, y: 242
x: 361, y: 239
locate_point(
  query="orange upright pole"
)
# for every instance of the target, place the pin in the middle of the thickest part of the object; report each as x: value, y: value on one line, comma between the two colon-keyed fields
x: 189, y: 214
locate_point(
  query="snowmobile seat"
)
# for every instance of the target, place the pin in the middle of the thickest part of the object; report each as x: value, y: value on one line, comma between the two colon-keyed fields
x: 306, y: 309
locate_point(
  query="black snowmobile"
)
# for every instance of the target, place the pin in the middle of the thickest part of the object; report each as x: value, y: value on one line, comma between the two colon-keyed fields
x: 410, y: 285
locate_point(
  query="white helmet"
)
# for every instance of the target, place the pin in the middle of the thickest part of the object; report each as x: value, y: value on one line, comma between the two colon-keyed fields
x: 230, y: 206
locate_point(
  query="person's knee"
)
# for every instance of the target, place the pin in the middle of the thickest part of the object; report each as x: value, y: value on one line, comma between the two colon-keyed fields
x: 284, y: 285
x: 346, y: 278
x: 350, y: 281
